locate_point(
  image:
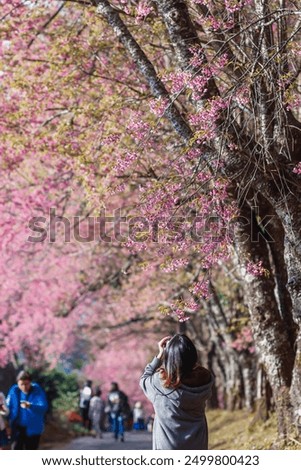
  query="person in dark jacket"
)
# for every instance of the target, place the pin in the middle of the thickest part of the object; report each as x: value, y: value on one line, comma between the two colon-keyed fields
x: 178, y: 387
x: 27, y: 406
x: 119, y: 410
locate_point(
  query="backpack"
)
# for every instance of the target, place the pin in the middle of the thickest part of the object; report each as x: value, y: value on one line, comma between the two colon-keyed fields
x: 119, y: 403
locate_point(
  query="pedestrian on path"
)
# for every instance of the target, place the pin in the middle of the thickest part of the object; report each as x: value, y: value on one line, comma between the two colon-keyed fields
x: 85, y: 396
x: 96, y: 412
x: 138, y: 416
x: 27, y: 406
x: 178, y: 387
x: 119, y: 410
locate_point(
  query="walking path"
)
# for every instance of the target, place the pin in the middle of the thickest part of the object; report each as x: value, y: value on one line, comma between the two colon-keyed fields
x: 134, y: 440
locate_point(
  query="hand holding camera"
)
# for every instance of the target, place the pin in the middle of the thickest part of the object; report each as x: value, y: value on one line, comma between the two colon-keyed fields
x: 162, y: 345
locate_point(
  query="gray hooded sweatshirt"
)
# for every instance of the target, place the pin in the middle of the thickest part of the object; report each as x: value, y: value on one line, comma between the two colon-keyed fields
x: 180, y: 421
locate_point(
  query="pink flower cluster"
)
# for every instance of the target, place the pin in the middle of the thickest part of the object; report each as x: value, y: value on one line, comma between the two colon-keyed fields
x: 201, y: 289
x: 138, y: 128
x: 293, y: 101
x: 143, y: 9
x: 205, y: 120
x: 244, y: 341
x: 236, y: 5
x: 256, y: 269
x: 158, y: 106
x: 174, y: 264
x: 297, y: 169
x: 182, y: 317
x: 124, y: 162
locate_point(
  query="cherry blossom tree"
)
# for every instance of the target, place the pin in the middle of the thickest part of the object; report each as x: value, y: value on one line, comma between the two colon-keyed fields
x: 200, y: 156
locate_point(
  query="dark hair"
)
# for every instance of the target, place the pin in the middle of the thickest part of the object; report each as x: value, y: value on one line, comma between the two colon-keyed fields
x: 114, y: 386
x: 180, y: 357
x: 23, y: 375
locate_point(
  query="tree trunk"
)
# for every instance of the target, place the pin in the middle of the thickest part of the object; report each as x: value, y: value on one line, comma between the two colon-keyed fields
x: 263, y: 397
x: 247, y: 365
x: 269, y: 332
x: 295, y: 391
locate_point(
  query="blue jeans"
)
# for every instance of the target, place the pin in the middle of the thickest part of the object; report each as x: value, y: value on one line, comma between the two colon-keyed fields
x: 117, y: 425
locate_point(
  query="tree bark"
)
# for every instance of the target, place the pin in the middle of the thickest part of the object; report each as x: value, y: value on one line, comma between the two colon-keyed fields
x: 270, y: 335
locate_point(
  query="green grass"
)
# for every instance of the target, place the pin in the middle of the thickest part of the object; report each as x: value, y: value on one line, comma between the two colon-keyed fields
x: 235, y: 430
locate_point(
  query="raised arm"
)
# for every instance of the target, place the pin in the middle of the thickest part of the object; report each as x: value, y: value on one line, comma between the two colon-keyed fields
x: 147, y: 378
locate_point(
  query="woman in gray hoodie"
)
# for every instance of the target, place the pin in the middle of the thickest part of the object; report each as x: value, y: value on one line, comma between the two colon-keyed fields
x: 178, y: 387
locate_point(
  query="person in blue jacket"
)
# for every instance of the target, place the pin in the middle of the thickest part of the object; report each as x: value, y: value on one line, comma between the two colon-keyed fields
x: 27, y: 406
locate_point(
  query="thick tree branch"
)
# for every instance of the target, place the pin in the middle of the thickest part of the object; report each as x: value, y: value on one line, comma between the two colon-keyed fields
x: 145, y: 67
